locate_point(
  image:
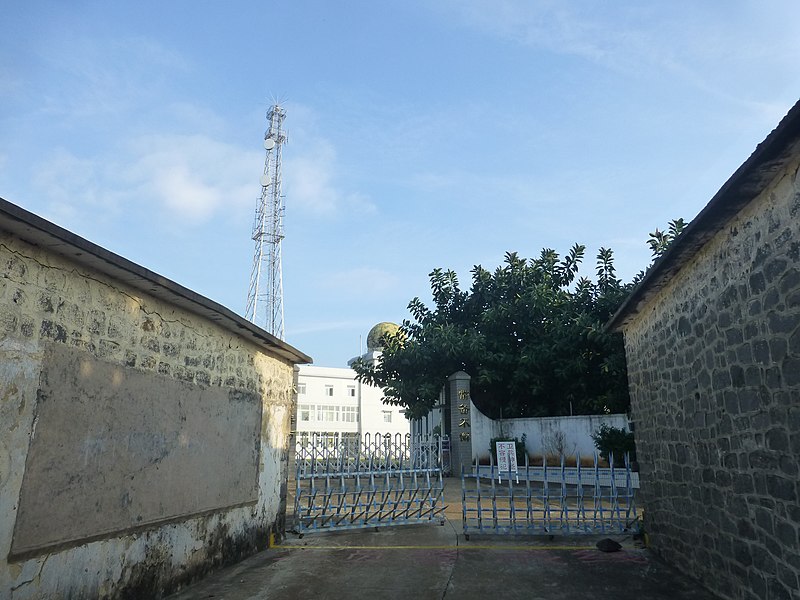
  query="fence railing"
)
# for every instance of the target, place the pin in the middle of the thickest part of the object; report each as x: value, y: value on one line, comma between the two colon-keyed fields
x: 550, y: 500
x: 571, y: 475
x: 352, y: 482
x: 321, y: 452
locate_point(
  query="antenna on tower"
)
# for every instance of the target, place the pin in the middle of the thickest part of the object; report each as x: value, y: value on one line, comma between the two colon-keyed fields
x: 265, y: 297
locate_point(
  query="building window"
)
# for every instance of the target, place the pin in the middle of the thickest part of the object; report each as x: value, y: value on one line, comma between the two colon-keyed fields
x: 351, y: 391
x: 306, y: 410
x: 329, y: 391
x: 387, y: 416
x: 351, y: 440
x: 301, y: 389
x: 327, y: 413
x: 350, y: 414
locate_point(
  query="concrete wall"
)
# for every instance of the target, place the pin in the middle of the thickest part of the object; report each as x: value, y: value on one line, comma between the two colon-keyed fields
x: 540, y: 433
x: 714, y: 368
x: 140, y: 444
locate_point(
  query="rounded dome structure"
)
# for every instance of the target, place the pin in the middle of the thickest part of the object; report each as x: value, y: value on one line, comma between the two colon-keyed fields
x: 375, y: 335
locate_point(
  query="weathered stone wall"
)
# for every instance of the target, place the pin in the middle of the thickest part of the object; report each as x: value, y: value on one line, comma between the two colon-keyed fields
x: 52, y: 307
x: 714, y: 368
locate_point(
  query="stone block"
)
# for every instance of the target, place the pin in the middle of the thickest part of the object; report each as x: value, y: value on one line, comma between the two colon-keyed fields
x: 758, y: 283
x: 788, y: 577
x: 775, y: 268
x: 53, y: 331
x: 786, y: 533
x: 782, y: 488
x: 777, y: 591
x: 782, y: 323
x: 763, y: 560
x: 777, y: 439
x: 791, y: 371
x: 763, y: 460
x: 761, y: 352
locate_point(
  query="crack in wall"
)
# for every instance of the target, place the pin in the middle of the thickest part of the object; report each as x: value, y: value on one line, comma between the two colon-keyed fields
x: 84, y: 275
x: 37, y: 578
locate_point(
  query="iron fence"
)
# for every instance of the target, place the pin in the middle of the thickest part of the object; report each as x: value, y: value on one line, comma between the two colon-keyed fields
x: 325, y: 452
x: 353, y: 482
x: 550, y: 500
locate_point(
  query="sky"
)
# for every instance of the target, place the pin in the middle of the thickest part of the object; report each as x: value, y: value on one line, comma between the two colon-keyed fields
x: 421, y: 134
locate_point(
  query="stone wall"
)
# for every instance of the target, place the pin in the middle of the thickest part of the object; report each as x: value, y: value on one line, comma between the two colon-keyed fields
x: 714, y: 368
x: 141, y: 444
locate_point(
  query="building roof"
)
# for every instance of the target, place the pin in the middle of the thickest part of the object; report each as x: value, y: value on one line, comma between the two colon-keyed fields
x: 326, y: 372
x: 749, y: 180
x: 40, y: 232
x: 375, y: 335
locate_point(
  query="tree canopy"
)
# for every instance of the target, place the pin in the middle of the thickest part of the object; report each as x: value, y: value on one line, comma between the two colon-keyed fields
x: 529, y: 334
x: 659, y: 240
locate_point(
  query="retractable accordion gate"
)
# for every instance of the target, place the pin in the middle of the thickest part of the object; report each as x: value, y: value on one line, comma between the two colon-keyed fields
x: 550, y: 500
x: 352, y: 482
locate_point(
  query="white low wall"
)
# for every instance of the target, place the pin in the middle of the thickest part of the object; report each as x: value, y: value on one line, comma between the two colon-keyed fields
x: 540, y: 433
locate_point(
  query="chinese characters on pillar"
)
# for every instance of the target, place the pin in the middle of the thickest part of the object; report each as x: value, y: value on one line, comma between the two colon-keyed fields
x: 463, y: 421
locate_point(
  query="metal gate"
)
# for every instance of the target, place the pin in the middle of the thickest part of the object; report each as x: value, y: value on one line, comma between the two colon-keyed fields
x: 344, y: 481
x: 550, y: 500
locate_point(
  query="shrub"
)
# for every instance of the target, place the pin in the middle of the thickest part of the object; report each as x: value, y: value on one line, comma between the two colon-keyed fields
x: 615, y: 441
x: 556, y: 443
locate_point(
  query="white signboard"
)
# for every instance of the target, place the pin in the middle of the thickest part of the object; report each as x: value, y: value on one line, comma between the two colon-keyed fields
x: 506, y: 458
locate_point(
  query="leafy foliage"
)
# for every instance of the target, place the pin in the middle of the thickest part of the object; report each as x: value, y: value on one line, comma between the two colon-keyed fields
x: 616, y: 441
x: 529, y: 334
x: 660, y: 240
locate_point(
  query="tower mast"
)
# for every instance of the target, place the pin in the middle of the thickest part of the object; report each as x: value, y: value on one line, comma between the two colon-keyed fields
x: 265, y: 297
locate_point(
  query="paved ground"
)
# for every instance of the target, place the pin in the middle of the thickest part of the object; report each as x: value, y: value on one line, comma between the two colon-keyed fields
x: 435, y: 562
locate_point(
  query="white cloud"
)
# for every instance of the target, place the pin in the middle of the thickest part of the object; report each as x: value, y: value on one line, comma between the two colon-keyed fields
x: 194, y: 176
x: 66, y: 180
x: 311, y: 184
x: 309, y: 178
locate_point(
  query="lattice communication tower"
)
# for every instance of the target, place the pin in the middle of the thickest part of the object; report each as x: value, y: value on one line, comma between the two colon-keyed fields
x: 265, y: 298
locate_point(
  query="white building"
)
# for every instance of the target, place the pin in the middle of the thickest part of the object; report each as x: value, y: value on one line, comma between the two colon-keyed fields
x: 331, y: 400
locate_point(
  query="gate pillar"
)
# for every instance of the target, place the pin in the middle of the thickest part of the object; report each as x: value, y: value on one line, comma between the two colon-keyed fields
x: 460, y: 423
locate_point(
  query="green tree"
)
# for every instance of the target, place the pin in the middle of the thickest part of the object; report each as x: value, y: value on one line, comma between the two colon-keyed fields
x: 530, y: 335
x: 659, y: 241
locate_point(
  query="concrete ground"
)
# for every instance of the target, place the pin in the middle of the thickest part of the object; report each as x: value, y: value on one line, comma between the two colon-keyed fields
x: 436, y: 562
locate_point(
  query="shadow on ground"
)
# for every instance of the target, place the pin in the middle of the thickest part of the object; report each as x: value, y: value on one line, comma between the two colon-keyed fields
x: 435, y: 562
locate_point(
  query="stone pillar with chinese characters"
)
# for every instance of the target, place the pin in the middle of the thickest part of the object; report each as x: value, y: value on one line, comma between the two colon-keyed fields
x: 460, y: 423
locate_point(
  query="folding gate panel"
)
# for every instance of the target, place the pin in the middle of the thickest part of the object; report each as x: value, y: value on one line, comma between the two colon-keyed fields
x: 345, y: 482
x: 550, y: 500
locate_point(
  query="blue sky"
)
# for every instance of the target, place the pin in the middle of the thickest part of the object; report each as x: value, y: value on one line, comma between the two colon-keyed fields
x: 422, y: 134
